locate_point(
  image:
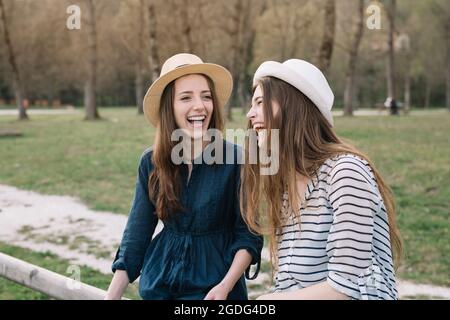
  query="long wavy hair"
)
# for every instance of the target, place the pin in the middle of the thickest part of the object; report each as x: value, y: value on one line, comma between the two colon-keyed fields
x: 164, y: 181
x: 306, y: 141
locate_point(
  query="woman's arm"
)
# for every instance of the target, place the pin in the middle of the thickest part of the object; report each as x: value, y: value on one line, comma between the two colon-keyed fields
x: 140, y: 226
x: 319, y: 291
x: 117, y: 286
x: 240, y: 263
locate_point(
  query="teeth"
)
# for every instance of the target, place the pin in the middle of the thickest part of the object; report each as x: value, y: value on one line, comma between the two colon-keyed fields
x: 258, y: 126
x: 196, y: 118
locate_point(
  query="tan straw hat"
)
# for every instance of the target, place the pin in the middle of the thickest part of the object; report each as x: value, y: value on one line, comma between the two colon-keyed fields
x: 180, y: 65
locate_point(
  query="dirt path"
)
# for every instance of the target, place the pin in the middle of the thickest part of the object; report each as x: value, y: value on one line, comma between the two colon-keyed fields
x: 65, y: 226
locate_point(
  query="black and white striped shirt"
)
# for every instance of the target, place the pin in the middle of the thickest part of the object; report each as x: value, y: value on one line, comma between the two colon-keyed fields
x: 341, y: 235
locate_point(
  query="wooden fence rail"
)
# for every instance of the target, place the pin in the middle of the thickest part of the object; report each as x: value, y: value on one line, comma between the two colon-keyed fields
x: 46, y: 281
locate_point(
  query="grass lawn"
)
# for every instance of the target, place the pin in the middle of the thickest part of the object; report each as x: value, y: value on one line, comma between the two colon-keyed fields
x: 97, y: 162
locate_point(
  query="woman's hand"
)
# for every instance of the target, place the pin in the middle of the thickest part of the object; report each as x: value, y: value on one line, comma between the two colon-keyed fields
x: 219, y: 292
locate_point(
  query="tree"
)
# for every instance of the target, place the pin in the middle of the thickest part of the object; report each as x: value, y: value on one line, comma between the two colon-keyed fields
x: 326, y: 47
x: 130, y: 45
x: 391, y: 14
x: 140, y: 59
x: 352, y: 60
x: 447, y: 65
x: 91, y: 112
x: 186, y: 27
x: 17, y: 82
x: 250, y: 14
x: 236, y: 32
x: 441, y: 11
x: 153, y: 56
x: 47, y: 55
x: 285, y: 29
x: 403, y: 44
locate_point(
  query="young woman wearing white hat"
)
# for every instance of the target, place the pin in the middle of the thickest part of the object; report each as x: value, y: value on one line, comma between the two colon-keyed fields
x: 330, y: 216
x: 204, y: 247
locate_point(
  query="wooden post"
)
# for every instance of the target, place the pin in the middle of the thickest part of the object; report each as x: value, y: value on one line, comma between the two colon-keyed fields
x: 46, y: 281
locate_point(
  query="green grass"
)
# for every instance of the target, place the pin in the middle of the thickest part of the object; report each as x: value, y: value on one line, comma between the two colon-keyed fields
x: 97, y: 162
x: 12, y: 291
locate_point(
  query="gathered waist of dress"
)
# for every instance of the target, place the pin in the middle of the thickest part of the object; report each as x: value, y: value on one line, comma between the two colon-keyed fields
x: 197, y: 233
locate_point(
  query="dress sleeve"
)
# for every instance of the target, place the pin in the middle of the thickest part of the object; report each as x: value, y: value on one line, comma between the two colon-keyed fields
x: 355, y: 199
x: 140, y: 226
x: 244, y: 238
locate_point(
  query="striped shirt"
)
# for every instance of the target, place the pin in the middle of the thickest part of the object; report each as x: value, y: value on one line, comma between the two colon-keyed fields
x: 341, y: 235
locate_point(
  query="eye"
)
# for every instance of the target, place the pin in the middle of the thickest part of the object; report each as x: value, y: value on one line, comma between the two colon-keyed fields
x: 207, y: 97
x: 185, y: 98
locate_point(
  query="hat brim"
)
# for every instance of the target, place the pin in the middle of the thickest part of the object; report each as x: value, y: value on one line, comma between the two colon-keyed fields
x: 223, y: 83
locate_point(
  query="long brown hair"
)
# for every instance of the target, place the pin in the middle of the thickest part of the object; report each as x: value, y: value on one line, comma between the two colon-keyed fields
x: 164, y: 181
x: 306, y: 141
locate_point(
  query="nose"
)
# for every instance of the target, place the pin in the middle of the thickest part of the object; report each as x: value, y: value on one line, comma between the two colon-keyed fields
x: 251, y: 113
x: 198, y: 104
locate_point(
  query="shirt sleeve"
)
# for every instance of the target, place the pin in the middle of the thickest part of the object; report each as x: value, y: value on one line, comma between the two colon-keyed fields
x: 244, y: 238
x: 140, y: 226
x: 355, y: 199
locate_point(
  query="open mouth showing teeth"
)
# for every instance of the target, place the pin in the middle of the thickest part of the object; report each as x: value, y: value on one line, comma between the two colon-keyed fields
x: 196, y: 120
x: 258, y: 127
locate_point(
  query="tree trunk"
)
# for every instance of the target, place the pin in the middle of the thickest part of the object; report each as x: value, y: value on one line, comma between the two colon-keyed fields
x: 236, y: 34
x: 247, y: 33
x: 300, y: 25
x: 407, y: 84
x: 188, y: 45
x: 447, y: 74
x: 326, y: 48
x: 427, y: 93
x: 353, y: 58
x: 139, y: 81
x: 153, y: 45
x: 91, y: 83
x: 203, y: 46
x: 391, y: 14
x: 17, y: 83
x: 248, y: 50
x: 447, y: 80
x: 280, y: 18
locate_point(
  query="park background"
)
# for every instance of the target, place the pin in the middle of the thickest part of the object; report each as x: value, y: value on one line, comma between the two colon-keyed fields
x: 73, y: 75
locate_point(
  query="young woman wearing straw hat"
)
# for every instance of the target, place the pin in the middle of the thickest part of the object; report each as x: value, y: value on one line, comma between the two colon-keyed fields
x: 204, y: 247
x: 330, y: 216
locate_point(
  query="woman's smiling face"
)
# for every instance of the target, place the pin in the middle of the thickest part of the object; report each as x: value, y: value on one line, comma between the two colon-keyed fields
x: 256, y: 115
x: 193, y: 105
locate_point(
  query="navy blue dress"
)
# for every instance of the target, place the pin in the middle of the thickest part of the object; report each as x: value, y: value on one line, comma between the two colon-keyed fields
x: 196, y: 247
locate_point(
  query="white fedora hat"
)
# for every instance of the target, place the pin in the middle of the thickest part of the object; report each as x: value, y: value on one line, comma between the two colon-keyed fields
x: 305, y: 77
x: 180, y: 65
